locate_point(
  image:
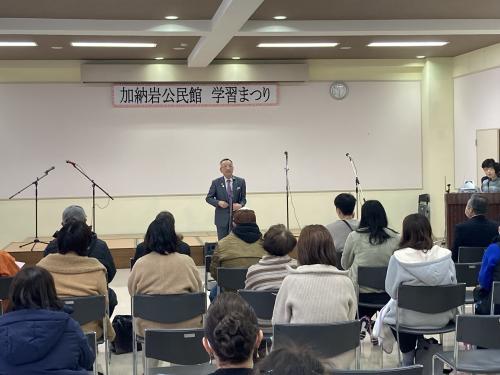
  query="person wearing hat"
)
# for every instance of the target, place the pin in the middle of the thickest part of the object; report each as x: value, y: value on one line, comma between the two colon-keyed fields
x: 98, y: 249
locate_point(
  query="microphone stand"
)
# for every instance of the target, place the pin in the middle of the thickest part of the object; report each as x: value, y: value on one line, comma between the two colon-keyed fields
x: 359, y: 191
x: 35, y: 240
x: 287, y: 187
x: 94, y: 185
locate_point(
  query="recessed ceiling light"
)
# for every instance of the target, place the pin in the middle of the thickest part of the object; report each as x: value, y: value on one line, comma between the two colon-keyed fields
x: 179, y: 48
x: 184, y: 44
x: 235, y: 57
x: 159, y: 58
x: 56, y: 47
x: 171, y: 17
x: 296, y: 45
x: 18, y: 44
x: 280, y: 17
x: 345, y: 47
x: 420, y: 57
x: 114, y: 44
x: 408, y: 44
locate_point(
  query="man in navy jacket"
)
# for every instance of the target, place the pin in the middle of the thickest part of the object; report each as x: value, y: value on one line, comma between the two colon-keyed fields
x: 227, y: 194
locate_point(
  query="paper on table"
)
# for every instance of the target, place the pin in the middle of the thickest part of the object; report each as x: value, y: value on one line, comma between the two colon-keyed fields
x: 20, y: 264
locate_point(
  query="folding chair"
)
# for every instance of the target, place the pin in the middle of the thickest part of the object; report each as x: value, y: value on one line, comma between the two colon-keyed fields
x: 208, y: 251
x: 428, y: 300
x: 88, y: 309
x: 166, y: 308
x: 495, y: 296
x: 480, y: 330
x: 231, y: 279
x: 372, y: 277
x: 132, y: 262
x: 91, y: 339
x: 4, y: 290
x: 410, y: 370
x: 178, y: 346
x: 468, y: 273
x: 470, y: 254
x: 262, y: 303
x: 325, y: 340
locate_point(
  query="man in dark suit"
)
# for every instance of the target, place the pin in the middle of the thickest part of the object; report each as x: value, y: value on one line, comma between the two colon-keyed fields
x: 478, y: 230
x: 227, y: 194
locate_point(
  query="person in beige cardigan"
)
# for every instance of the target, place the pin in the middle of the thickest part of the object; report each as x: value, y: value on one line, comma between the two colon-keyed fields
x: 163, y: 270
x: 75, y: 274
x: 317, y: 291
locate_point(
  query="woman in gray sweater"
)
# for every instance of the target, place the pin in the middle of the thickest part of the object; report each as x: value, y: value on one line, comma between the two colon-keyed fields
x: 317, y: 292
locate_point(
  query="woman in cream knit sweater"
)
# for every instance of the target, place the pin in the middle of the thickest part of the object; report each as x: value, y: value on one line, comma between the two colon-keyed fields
x: 317, y: 292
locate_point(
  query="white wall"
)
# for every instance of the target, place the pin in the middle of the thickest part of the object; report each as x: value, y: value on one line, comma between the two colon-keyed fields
x: 477, y: 100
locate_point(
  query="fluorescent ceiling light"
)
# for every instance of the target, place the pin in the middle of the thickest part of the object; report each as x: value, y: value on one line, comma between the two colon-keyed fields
x: 113, y: 44
x: 18, y: 44
x: 407, y: 44
x: 171, y: 17
x: 420, y: 57
x: 235, y: 57
x: 296, y: 45
x: 280, y: 17
x: 159, y: 58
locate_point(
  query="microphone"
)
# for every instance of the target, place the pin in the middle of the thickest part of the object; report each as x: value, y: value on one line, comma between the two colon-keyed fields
x: 348, y: 155
x: 71, y: 162
x: 286, y: 153
x: 50, y: 169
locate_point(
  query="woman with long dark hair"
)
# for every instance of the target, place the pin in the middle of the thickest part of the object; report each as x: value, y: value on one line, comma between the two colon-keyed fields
x: 36, y: 335
x: 372, y: 245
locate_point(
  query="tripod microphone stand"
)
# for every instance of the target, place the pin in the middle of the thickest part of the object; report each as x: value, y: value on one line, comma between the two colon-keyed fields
x: 359, y: 191
x: 94, y: 185
x: 36, y: 239
x: 287, y: 186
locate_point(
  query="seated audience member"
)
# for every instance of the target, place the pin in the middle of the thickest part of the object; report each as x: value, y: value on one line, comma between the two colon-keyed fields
x: 163, y: 270
x: 8, y: 267
x: 317, y: 292
x: 75, y: 274
x: 37, y: 336
x: 417, y: 262
x: 290, y: 361
x: 97, y: 249
x: 269, y: 272
x: 182, y: 247
x: 478, y: 230
x: 340, y: 229
x: 490, y: 183
x: 490, y: 272
x: 370, y: 246
x: 232, y: 335
x: 242, y: 247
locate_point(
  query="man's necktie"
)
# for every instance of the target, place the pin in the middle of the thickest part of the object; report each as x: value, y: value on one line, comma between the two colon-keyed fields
x: 229, y: 190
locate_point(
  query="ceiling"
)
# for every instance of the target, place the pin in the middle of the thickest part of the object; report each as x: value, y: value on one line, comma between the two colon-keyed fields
x: 211, y: 30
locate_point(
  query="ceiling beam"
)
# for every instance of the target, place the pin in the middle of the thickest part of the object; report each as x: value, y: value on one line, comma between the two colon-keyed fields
x: 228, y: 20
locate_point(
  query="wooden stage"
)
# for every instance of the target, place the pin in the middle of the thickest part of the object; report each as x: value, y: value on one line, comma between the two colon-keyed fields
x: 122, y: 247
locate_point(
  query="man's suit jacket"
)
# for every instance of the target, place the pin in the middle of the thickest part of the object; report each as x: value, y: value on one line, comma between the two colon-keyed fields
x: 477, y: 231
x: 218, y: 192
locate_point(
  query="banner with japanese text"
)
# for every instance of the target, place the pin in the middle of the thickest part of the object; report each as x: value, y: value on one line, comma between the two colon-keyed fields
x: 195, y: 95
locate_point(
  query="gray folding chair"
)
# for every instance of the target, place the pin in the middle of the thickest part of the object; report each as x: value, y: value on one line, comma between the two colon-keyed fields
x: 166, y: 308
x: 262, y: 302
x: 468, y: 273
x: 470, y: 254
x: 88, y: 309
x: 208, y: 251
x: 428, y: 300
x: 231, y: 279
x: 4, y: 290
x: 325, y: 340
x: 479, y: 330
x: 495, y: 296
x: 410, y: 370
x: 372, y: 277
x: 91, y: 339
x: 178, y: 346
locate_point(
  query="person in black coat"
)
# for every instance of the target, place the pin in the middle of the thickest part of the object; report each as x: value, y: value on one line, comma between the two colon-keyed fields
x: 97, y: 249
x: 478, y: 231
x: 182, y: 247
